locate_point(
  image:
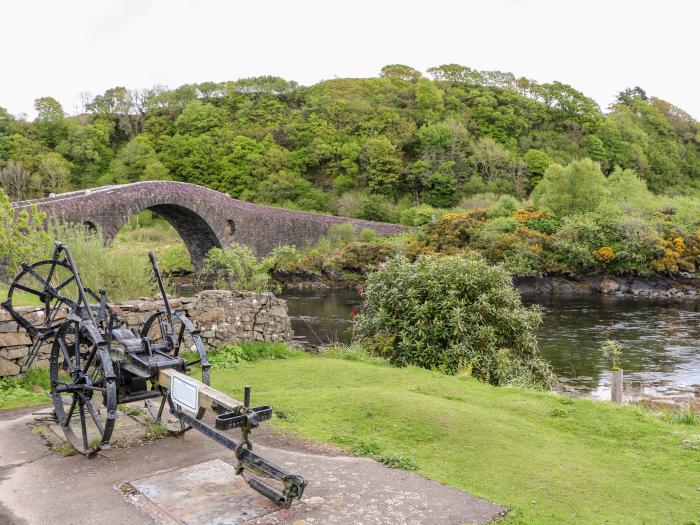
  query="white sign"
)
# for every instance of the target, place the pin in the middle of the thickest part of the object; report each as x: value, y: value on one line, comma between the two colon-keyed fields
x: 184, y: 392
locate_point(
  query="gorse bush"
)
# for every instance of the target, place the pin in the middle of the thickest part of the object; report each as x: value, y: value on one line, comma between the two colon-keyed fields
x: 457, y: 314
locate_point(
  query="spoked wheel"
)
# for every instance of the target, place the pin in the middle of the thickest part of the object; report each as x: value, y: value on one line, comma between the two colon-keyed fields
x: 51, y: 283
x: 83, y: 389
x: 183, y: 340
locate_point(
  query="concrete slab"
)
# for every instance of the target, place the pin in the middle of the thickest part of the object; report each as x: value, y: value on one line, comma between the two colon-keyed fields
x: 341, y: 490
x: 206, y: 493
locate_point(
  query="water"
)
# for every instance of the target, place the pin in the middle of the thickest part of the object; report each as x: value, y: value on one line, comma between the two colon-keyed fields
x: 660, y: 340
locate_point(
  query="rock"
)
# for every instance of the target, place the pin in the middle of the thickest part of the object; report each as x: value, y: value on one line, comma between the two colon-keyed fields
x: 14, y: 339
x: 8, y: 368
x: 609, y: 286
x: 13, y: 353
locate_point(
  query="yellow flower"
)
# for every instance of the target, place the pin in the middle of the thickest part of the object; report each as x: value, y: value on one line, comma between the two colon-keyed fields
x: 604, y: 254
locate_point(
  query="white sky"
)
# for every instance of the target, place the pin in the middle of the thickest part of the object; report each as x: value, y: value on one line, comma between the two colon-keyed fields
x: 60, y: 48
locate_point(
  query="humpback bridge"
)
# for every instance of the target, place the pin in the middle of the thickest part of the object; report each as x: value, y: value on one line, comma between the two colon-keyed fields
x: 204, y: 218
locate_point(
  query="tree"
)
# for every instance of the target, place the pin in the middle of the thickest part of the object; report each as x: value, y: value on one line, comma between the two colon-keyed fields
x: 118, y: 103
x: 53, y: 173
x: 381, y: 165
x: 456, y: 73
x: 578, y: 187
x: 15, y: 180
x: 49, y: 120
x: 536, y: 162
x: 429, y: 101
x: 197, y: 118
x: 136, y: 161
x: 401, y: 71
x: 441, y: 187
x: 491, y: 158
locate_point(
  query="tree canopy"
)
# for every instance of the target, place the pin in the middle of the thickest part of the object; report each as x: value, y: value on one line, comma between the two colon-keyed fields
x: 373, y: 142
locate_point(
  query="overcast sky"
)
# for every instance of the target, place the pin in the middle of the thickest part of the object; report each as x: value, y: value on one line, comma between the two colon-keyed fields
x: 60, y: 48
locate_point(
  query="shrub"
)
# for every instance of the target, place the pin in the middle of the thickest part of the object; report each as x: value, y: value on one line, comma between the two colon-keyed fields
x: 517, y: 247
x: 236, y: 268
x: 375, y: 208
x: 284, y: 258
x: 453, y: 231
x: 233, y: 355
x: 362, y: 257
x: 505, y: 206
x: 419, y: 215
x: 538, y: 220
x: 453, y: 313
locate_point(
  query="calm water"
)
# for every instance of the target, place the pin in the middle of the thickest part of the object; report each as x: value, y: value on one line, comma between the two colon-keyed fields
x: 661, y: 341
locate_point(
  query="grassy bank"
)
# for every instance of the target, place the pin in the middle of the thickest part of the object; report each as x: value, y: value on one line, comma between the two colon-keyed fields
x: 552, y: 460
x: 29, y: 390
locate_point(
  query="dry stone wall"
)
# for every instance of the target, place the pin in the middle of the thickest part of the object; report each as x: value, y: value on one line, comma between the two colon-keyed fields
x: 223, y: 317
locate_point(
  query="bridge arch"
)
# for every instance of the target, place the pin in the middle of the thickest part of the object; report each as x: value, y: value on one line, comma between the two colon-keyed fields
x: 193, y: 229
x: 204, y: 218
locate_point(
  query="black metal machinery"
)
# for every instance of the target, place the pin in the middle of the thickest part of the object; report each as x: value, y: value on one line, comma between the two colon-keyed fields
x: 97, y: 364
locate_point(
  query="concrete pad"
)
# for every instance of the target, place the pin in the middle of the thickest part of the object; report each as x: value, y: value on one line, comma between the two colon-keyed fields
x: 341, y: 490
x: 206, y: 493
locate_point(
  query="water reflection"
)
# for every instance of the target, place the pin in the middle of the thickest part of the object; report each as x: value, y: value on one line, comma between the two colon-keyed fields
x: 660, y: 340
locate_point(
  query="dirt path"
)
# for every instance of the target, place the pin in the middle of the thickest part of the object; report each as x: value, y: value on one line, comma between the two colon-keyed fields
x: 40, y: 486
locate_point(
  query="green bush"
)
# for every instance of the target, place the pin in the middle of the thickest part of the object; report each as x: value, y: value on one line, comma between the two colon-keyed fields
x: 420, y: 215
x: 505, y: 206
x: 456, y: 314
x: 362, y: 257
x: 236, y: 268
x: 376, y: 208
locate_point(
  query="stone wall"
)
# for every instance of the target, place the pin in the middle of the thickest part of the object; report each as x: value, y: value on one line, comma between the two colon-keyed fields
x: 223, y: 317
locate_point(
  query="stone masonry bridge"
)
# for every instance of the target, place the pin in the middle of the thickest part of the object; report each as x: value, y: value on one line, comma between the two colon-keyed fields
x: 204, y: 218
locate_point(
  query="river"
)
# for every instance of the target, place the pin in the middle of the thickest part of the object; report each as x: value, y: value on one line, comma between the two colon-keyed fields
x: 660, y: 340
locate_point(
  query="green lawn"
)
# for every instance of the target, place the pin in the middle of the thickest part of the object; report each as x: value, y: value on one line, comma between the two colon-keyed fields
x: 553, y: 460
x: 28, y: 390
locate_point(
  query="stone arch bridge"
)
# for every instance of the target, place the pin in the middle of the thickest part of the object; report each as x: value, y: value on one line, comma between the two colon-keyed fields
x: 204, y: 218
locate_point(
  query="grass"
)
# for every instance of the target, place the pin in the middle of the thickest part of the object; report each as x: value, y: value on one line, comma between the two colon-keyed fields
x: 551, y: 459
x: 19, y: 298
x: 28, y: 390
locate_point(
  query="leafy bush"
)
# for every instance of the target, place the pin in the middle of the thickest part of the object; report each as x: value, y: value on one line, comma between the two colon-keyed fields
x: 419, y: 215
x: 376, y: 208
x: 454, y: 313
x: 452, y: 232
x: 505, y: 206
x: 362, y: 257
x: 236, y: 268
